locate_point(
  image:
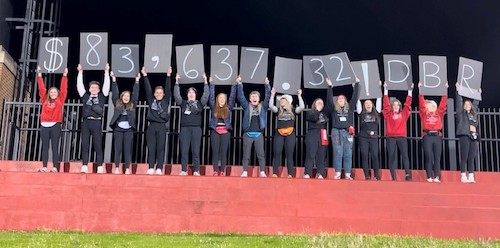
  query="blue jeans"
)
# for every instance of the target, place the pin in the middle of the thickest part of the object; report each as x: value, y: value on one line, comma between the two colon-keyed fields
x: 342, y: 150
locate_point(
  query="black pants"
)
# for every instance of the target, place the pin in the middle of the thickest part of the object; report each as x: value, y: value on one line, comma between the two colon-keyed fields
x: 124, y: 139
x: 315, y: 152
x: 156, y: 139
x: 369, y: 150
x: 50, y: 135
x: 190, y: 137
x: 288, y: 142
x: 92, y: 128
x: 468, y: 153
x: 393, y: 145
x: 432, y: 155
x: 220, y: 147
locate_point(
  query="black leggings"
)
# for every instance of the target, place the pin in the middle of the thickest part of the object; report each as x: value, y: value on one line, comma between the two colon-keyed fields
x: 156, y: 139
x: 432, y: 155
x: 92, y: 128
x: 220, y: 146
x: 124, y: 139
x: 50, y: 135
x: 315, y: 152
x: 280, y: 141
x: 190, y: 137
x: 393, y: 145
x: 468, y: 153
x: 369, y: 149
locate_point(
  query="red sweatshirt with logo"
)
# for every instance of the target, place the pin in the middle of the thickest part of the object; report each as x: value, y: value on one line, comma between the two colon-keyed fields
x: 432, y: 121
x: 395, y: 123
x: 52, y: 110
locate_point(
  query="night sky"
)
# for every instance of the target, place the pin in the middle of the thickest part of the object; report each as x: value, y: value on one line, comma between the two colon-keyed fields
x: 364, y: 29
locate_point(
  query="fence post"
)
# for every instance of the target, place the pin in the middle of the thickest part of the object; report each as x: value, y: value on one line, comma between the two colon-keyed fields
x: 452, y: 144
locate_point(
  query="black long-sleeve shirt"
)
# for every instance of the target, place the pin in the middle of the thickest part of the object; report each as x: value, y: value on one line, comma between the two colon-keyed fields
x: 158, y: 109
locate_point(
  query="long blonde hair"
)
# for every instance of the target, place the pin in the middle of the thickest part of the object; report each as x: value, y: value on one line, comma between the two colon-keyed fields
x: 221, y: 112
x: 128, y: 106
x: 288, y: 107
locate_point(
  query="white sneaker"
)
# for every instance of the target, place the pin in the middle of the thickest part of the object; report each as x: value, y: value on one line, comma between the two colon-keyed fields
x: 337, y: 176
x: 158, y: 172
x: 320, y: 176
x: 43, y: 169
x: 429, y: 180
x: 436, y: 180
x: 244, y: 174
x: 127, y: 172
x: 183, y: 173
x: 262, y: 174
x: 307, y: 176
x: 117, y: 171
x: 196, y: 174
x: 54, y: 170
x: 84, y: 169
x: 348, y: 176
x: 100, y: 169
x: 464, y: 179
x: 471, y: 178
x: 150, y: 171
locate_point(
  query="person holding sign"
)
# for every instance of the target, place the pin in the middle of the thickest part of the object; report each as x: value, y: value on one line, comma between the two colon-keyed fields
x: 51, y: 118
x: 316, y: 140
x: 158, y: 116
x: 123, y: 121
x: 254, y: 123
x: 191, y: 121
x: 285, y: 133
x: 342, y: 128
x: 368, y: 136
x: 467, y: 124
x: 220, y: 123
x: 93, y: 109
x: 432, y: 123
x: 396, y: 116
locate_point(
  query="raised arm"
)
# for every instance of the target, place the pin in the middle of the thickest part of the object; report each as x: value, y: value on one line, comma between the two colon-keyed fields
x: 79, y: 81
x: 241, y: 95
x: 168, y: 84
x: 232, y: 97
x: 358, y: 107
x: 267, y: 94
x: 42, y: 91
x: 330, y: 106
x: 386, y: 111
x: 301, y: 106
x: 206, y: 93
x: 211, y: 97
x: 63, y: 91
x: 421, y: 101
x: 272, y: 107
x: 378, y: 105
x: 115, y: 91
x: 107, y: 81
x: 177, y: 91
x: 442, y: 105
x: 355, y: 93
x: 459, y: 100
x: 136, y: 90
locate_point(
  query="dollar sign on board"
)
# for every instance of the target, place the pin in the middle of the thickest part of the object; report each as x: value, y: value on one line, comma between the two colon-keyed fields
x: 56, y: 59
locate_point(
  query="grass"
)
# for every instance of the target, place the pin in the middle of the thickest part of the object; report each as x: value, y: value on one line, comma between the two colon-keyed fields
x: 41, y: 239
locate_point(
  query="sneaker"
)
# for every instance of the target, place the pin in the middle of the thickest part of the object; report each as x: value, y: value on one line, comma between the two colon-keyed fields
x: 150, y: 171
x: 216, y: 174
x: 100, y: 169
x: 408, y: 177
x: 183, y: 173
x: 222, y: 174
x: 464, y: 178
x: 436, y: 180
x: 43, y: 169
x: 348, y: 178
x: 117, y: 171
x: 274, y: 175
x: 320, y: 176
x: 54, y: 170
x: 244, y: 174
x: 471, y: 178
x: 429, y: 180
x: 84, y: 169
x: 289, y: 176
x: 307, y: 176
x: 127, y: 171
x: 262, y: 174
x: 337, y: 176
x: 158, y: 172
x: 196, y: 174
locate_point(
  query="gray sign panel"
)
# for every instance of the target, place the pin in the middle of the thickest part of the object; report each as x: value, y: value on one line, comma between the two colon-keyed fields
x: 53, y: 54
x: 470, y: 73
x: 224, y: 64
x: 287, y: 75
x: 158, y: 53
x: 369, y: 78
x: 125, y: 59
x: 93, y: 50
x: 190, y: 63
x: 398, y: 73
x: 314, y: 73
x: 253, y: 64
x: 339, y: 70
x: 433, y: 75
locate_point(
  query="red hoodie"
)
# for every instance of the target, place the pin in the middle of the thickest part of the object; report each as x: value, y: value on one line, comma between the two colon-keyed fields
x: 52, y: 111
x: 432, y: 121
x: 395, y: 123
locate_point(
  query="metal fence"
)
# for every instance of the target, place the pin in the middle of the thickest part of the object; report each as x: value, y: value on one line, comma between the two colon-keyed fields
x: 19, y: 139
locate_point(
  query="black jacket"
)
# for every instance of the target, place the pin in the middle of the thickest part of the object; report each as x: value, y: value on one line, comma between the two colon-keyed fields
x: 131, y: 113
x: 161, y: 113
x: 336, y: 116
x: 463, y: 121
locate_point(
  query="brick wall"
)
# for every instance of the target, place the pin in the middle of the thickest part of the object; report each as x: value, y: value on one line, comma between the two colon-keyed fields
x: 8, y: 69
